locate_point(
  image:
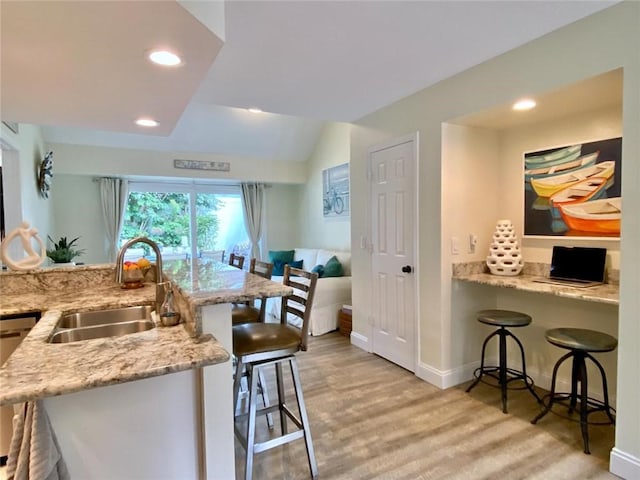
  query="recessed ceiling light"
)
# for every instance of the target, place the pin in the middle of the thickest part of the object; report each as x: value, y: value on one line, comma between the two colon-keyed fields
x: 524, y: 104
x: 165, y: 58
x: 255, y: 110
x: 146, y: 122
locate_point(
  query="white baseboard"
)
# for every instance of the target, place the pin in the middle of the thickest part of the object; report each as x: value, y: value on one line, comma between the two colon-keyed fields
x: 444, y: 379
x: 624, y: 465
x: 360, y: 341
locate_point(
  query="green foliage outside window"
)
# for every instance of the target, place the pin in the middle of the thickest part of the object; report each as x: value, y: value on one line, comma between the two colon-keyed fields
x: 164, y: 218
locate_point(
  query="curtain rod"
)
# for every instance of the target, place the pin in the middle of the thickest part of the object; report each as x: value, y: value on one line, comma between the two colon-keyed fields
x: 221, y: 183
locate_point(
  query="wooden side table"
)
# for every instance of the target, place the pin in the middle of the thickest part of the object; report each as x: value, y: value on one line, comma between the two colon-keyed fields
x: 344, y: 322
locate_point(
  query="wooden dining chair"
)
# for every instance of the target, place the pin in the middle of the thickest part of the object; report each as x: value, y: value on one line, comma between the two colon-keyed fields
x: 248, y: 312
x: 257, y: 346
x: 236, y: 260
x: 217, y: 255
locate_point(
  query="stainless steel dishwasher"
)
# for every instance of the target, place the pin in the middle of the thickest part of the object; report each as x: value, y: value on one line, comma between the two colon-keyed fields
x: 13, y: 328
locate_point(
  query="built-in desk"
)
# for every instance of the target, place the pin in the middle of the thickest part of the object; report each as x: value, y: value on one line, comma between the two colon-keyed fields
x: 607, y: 293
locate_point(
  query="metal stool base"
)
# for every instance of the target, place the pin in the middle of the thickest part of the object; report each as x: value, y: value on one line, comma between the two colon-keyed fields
x: 504, y: 375
x: 587, y: 405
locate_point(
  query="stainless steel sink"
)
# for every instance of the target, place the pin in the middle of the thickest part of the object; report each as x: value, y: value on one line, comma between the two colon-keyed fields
x: 105, y: 317
x: 100, y: 331
x: 74, y: 327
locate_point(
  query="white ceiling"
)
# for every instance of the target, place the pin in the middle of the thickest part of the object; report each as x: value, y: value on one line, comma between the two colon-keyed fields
x: 78, y: 68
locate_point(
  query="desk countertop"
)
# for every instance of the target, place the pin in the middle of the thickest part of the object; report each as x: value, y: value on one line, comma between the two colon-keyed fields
x: 606, y: 293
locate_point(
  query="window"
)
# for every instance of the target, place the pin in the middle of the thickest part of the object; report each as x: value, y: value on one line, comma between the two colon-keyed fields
x: 185, y: 220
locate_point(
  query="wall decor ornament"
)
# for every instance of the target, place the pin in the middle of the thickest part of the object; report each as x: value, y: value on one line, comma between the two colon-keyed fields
x: 45, y: 175
x: 335, y: 192
x: 505, y: 257
x: 574, y: 190
x: 31, y: 258
x: 202, y: 165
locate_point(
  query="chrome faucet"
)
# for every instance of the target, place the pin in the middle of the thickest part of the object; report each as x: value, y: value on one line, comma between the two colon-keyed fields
x: 161, y: 285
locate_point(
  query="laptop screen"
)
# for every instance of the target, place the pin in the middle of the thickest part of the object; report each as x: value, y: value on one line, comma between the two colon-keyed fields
x: 578, y: 263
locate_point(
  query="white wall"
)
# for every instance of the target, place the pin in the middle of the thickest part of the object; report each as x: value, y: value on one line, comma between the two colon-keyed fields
x: 470, y: 201
x: 597, y: 44
x: 283, y: 225
x: 77, y: 213
x: 316, y: 231
x: 88, y: 160
x: 25, y: 151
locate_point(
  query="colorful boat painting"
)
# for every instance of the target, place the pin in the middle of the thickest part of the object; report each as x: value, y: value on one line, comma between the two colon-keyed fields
x: 556, y: 157
x: 589, y: 189
x: 565, y: 167
x: 596, y: 216
x: 547, y: 186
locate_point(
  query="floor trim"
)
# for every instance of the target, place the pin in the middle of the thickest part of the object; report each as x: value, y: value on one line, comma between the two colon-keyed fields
x: 444, y: 379
x: 623, y: 464
x: 360, y: 341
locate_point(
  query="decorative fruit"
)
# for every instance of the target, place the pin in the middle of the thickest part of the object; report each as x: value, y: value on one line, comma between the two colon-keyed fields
x: 143, y: 263
x: 130, y: 266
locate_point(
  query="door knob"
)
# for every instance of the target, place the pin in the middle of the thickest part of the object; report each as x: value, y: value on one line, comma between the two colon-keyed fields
x: 406, y: 269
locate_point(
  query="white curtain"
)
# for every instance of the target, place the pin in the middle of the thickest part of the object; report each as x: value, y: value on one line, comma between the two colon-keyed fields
x: 252, y: 203
x: 113, y: 196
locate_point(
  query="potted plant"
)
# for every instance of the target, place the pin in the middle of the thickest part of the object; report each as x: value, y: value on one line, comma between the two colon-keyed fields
x: 63, y: 251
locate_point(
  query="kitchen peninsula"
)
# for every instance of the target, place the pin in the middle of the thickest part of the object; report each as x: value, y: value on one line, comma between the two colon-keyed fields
x: 112, y: 403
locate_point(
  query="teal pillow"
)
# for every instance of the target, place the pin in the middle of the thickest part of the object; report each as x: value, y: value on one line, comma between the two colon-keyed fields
x: 279, y: 258
x: 319, y: 269
x: 333, y: 268
x: 284, y: 255
x: 296, y: 264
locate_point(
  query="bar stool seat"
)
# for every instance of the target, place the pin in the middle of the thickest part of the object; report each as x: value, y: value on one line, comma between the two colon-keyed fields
x: 504, y: 375
x: 580, y: 342
x: 581, y: 339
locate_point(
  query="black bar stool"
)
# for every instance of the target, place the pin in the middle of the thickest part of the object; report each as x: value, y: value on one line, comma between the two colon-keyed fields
x: 579, y: 342
x: 503, y: 374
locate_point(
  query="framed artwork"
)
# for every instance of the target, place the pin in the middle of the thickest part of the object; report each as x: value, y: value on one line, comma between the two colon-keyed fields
x: 574, y: 190
x: 335, y: 192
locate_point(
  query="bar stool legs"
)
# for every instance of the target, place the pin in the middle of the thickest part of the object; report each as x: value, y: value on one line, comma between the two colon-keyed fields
x: 587, y: 405
x: 248, y: 440
x: 579, y: 342
x: 502, y: 373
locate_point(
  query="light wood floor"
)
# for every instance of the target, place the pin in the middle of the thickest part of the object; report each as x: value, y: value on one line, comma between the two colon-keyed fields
x: 371, y: 419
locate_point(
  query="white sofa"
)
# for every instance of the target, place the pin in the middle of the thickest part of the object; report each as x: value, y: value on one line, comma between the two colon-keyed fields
x: 331, y: 292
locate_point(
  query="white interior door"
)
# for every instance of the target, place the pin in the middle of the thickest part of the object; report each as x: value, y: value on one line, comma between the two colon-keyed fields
x: 393, y: 252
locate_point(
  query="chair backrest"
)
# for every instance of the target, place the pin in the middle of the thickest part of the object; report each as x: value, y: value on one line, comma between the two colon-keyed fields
x: 214, y: 254
x: 236, y: 260
x: 301, y: 301
x: 264, y: 269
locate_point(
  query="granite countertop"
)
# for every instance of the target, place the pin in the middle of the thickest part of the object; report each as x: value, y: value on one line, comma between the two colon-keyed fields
x: 39, y: 369
x: 607, y: 293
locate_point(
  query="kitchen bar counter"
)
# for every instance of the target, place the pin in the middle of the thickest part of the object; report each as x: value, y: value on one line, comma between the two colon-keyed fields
x: 39, y: 369
x: 607, y: 293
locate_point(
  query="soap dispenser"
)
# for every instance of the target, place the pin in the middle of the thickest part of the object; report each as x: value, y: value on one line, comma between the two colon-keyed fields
x: 168, y: 314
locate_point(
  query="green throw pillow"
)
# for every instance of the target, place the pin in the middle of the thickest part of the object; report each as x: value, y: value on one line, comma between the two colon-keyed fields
x: 279, y: 258
x: 319, y: 269
x: 333, y: 268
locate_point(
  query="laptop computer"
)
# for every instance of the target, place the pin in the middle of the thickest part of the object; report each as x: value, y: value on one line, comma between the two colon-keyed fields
x: 576, y: 267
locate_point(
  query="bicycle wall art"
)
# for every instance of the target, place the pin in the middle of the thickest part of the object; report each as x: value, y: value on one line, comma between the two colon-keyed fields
x: 335, y: 192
